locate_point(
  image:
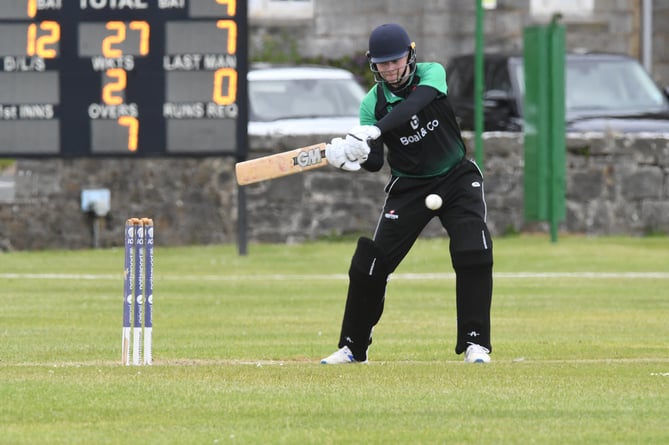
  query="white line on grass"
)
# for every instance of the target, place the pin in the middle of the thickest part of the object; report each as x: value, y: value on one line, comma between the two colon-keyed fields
x: 297, y: 277
x: 301, y: 361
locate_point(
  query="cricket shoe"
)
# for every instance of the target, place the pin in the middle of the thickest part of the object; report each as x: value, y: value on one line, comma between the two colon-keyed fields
x: 477, y: 354
x: 340, y: 357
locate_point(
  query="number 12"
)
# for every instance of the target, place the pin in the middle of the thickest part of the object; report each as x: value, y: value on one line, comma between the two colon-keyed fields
x: 37, y: 46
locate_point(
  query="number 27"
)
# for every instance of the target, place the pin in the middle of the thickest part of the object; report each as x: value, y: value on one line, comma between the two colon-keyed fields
x: 119, y: 36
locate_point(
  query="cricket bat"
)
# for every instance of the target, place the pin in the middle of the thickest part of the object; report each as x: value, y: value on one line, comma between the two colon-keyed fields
x: 281, y: 164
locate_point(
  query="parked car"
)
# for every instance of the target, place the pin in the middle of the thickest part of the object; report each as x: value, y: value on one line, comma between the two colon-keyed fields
x: 299, y: 100
x: 602, y: 92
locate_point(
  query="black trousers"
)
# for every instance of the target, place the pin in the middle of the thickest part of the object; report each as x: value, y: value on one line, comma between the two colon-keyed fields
x: 463, y: 215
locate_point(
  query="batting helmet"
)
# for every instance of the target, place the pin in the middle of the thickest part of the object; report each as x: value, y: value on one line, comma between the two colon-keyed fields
x: 391, y: 42
x: 388, y: 42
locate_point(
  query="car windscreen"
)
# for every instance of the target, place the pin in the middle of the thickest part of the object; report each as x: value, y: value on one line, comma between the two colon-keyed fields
x: 611, y: 85
x: 606, y: 87
x: 272, y: 100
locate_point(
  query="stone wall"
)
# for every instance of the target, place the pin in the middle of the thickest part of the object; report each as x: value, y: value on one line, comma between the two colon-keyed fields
x: 615, y: 185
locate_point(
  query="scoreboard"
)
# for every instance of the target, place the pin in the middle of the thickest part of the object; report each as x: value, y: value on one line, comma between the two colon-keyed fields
x: 86, y: 78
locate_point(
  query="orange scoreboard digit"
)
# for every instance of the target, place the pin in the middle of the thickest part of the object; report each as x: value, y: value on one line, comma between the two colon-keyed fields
x: 90, y: 78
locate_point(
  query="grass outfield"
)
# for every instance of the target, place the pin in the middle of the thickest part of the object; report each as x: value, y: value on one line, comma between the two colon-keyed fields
x: 580, y: 331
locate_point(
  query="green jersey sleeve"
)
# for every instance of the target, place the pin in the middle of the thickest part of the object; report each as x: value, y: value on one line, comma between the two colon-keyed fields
x: 433, y: 75
x: 368, y: 106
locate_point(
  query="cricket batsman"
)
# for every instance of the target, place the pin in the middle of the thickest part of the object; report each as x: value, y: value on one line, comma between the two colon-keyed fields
x: 408, y: 111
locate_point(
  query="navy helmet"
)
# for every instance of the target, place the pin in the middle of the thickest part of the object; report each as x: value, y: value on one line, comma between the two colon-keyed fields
x: 391, y: 42
x: 388, y: 42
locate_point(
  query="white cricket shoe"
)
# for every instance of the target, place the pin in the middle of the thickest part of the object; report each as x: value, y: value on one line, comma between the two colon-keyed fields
x: 477, y: 354
x: 340, y: 357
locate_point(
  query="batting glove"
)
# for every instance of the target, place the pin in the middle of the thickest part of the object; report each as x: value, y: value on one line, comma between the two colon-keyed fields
x: 355, y: 149
x: 335, y: 152
x: 365, y: 132
x: 357, y: 141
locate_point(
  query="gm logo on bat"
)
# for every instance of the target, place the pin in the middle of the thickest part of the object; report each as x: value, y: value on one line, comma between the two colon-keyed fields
x: 309, y: 157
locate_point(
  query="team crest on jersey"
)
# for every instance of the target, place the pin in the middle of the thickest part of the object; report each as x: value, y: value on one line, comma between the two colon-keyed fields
x: 415, y: 123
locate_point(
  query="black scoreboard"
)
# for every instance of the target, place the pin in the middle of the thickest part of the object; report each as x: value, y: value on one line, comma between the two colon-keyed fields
x: 82, y: 78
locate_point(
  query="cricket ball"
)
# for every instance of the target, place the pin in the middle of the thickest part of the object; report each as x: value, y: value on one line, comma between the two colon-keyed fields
x: 433, y: 201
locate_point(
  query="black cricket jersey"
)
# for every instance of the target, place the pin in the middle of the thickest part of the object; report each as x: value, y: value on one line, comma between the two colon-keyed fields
x: 429, y: 143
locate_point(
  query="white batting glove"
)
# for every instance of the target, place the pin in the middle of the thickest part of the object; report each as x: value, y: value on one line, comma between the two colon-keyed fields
x: 365, y: 132
x: 358, y: 141
x: 335, y: 152
x: 355, y: 149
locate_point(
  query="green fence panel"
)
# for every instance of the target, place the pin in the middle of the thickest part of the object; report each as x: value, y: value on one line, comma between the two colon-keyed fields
x: 535, y: 111
x: 544, y: 126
